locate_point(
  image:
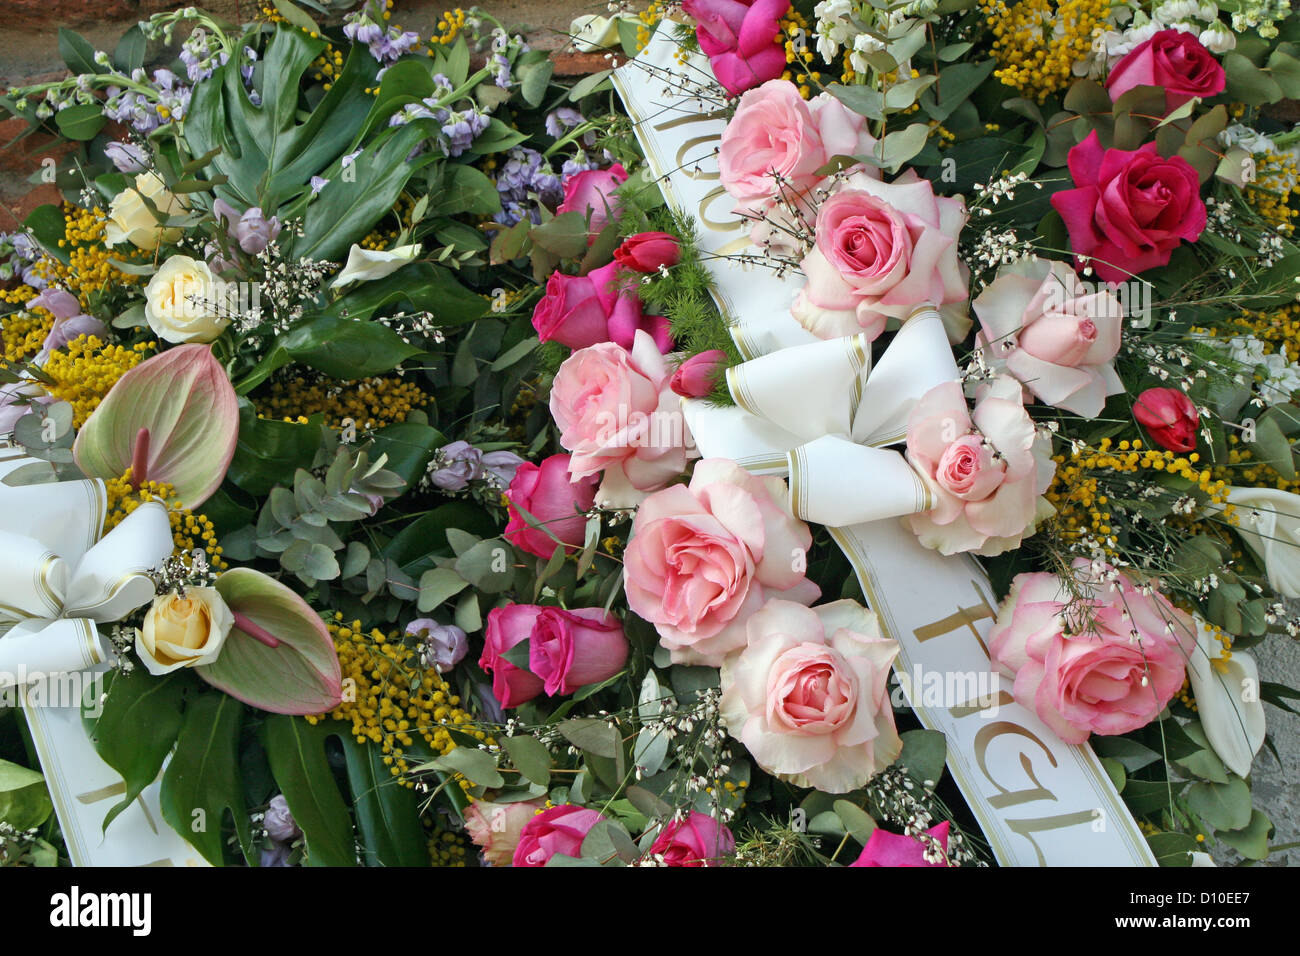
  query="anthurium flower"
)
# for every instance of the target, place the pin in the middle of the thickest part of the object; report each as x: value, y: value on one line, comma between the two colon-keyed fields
x: 1226, y: 688
x: 366, y: 265
x: 172, y: 419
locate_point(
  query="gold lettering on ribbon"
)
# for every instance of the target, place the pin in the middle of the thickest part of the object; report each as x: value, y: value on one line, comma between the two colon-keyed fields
x: 697, y: 173
x: 1003, y: 699
x: 1005, y: 797
x: 732, y: 225
x: 688, y: 119
x: 1058, y: 822
x: 962, y: 617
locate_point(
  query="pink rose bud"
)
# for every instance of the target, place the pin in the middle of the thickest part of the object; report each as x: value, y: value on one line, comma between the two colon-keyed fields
x: 495, y: 827
x: 894, y: 849
x: 506, y: 627
x: 571, y: 649
x: 647, y: 251
x: 1172, y: 59
x: 699, y: 840
x: 557, y: 830
x: 694, y: 378
x: 741, y: 38
x: 591, y: 193
x: 579, y: 311
x: 546, y: 492
x: 1169, y: 417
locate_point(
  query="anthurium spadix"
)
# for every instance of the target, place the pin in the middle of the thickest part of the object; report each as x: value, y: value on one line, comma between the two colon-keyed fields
x: 278, y: 655
x: 173, y: 419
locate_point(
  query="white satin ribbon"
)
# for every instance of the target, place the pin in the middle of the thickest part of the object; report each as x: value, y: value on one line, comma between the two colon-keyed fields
x: 59, y: 578
x: 822, y: 414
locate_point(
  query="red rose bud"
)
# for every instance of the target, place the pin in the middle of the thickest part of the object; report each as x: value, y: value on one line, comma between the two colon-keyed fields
x: 1169, y: 416
x: 694, y: 378
x: 647, y: 251
x: 1172, y: 59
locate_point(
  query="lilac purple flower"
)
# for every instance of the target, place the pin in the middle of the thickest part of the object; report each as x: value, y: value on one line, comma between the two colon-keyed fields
x: 127, y: 157
x: 365, y: 25
x: 459, y: 464
x: 279, y: 822
x: 442, y: 645
x: 526, y: 179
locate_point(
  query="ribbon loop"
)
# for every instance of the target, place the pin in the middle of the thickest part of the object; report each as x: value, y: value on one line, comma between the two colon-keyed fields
x: 838, y: 483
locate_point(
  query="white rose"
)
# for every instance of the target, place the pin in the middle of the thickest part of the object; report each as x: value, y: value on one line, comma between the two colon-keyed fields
x: 366, y: 265
x: 182, y: 303
x: 183, y: 631
x: 130, y: 220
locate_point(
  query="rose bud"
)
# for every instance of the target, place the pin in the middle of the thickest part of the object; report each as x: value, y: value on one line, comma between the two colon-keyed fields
x: 554, y: 502
x: 571, y: 649
x: 699, y: 840
x: 1169, y: 417
x: 506, y: 627
x: 557, y: 830
x: 183, y: 631
x: 647, y: 251
x: 591, y: 193
x: 495, y: 827
x: 695, y: 377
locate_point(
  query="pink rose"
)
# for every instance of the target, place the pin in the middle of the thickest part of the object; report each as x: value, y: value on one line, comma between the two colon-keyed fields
x: 591, y: 193
x: 896, y: 849
x: 506, y: 627
x: 1171, y: 59
x: 808, y: 695
x: 704, y: 556
x: 557, y: 830
x: 776, y: 133
x: 1169, y: 417
x: 647, y: 251
x: 741, y: 38
x: 578, y: 311
x: 547, y: 493
x: 699, y: 840
x: 985, y: 470
x: 694, y: 378
x: 1113, y: 671
x: 617, y: 415
x: 1129, y: 210
x: 570, y: 649
x: 495, y: 827
x: 881, y: 249
x: 1042, y: 325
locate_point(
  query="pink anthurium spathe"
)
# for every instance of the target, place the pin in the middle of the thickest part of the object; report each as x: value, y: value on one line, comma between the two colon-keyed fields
x: 279, y: 655
x: 173, y: 419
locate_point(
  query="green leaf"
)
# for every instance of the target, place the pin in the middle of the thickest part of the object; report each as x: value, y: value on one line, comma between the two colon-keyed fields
x: 388, y: 814
x: 486, y: 566
x: 857, y: 822
x: 296, y: 752
x: 24, y: 800
x: 862, y: 100
x: 477, y: 766
x: 1248, y: 83
x: 592, y: 735
x: 46, y: 223
x: 1115, y: 770
x: 608, y: 842
x: 1172, y: 849
x: 459, y: 189
x: 589, y: 84
x: 1204, y: 764
x: 78, y: 53
x: 201, y: 781
x: 80, y: 122
x: 533, y: 80
x: 1132, y: 755
x: 956, y: 83
x: 1224, y: 806
x: 130, y: 703
x: 924, y: 754
x: 296, y: 16
x: 268, y: 451
x: 437, y: 585
x: 410, y: 447
x: 418, y: 287
x: 129, y: 53
x: 530, y: 757
x: 1252, y: 840
x: 347, y: 349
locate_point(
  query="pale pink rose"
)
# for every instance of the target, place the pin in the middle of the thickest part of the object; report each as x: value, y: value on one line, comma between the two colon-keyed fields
x: 704, y: 556
x: 1041, y: 324
x: 986, y: 470
x: 775, y: 131
x: 617, y: 414
x: 495, y: 827
x: 881, y: 250
x: 808, y: 695
x: 557, y: 830
x: 1114, y: 671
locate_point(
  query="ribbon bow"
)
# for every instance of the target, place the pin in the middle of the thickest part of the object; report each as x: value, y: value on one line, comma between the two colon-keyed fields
x: 823, y: 415
x: 59, y: 577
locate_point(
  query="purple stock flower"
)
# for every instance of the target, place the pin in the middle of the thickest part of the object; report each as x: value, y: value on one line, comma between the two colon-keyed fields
x: 442, y: 645
x: 525, y: 172
x: 127, y: 157
x: 562, y: 118
x: 460, y: 463
x: 60, y: 304
x: 252, y: 230
x: 279, y: 822
x: 318, y: 183
x: 500, y: 467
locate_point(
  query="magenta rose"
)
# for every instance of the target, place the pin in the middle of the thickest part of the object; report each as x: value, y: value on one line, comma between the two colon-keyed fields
x: 1113, y: 674
x: 591, y: 193
x: 694, y: 378
x: 506, y: 627
x: 578, y: 311
x: 741, y: 38
x: 1129, y: 209
x: 647, y: 251
x: 705, y: 556
x: 495, y: 828
x: 1173, y: 59
x: 881, y: 249
x: 554, y: 500
x: 897, y: 849
x: 571, y: 649
x: 699, y: 840
x: 557, y: 830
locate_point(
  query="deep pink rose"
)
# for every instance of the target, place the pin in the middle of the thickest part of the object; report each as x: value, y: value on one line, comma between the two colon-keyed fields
x: 808, y: 694
x: 592, y: 193
x: 694, y: 378
x: 553, y: 499
x: 506, y: 627
x: 897, y: 849
x: 699, y: 840
x: 881, y: 249
x: 1173, y: 59
x: 1042, y: 325
x: 1113, y: 674
x: 617, y: 415
x: 570, y: 649
x: 578, y: 311
x: 557, y: 830
x: 1169, y: 416
x: 495, y: 827
x: 985, y: 470
x: 704, y: 556
x: 647, y: 251
x: 741, y: 38
x: 1129, y: 209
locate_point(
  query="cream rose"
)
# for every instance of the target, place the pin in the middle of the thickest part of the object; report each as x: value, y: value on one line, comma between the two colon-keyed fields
x: 183, y: 631
x: 182, y: 302
x: 130, y: 220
